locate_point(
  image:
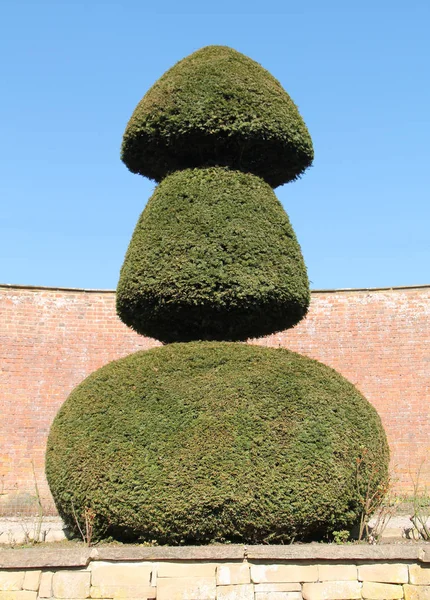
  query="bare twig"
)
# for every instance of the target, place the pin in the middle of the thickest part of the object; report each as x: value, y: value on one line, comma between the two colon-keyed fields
x: 378, y: 501
x: 88, y: 515
x: 421, y: 509
x: 39, y: 521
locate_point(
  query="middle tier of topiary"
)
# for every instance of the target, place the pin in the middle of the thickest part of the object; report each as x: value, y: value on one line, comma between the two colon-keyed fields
x: 215, y: 442
x: 213, y: 257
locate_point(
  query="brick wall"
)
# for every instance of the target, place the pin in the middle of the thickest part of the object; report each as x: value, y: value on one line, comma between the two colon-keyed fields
x: 52, y: 339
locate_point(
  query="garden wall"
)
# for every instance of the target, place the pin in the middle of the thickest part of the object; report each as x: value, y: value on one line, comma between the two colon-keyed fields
x: 218, y: 573
x: 51, y: 339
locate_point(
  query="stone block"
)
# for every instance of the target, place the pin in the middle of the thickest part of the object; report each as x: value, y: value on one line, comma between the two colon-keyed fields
x: 177, y: 569
x: 128, y: 598
x: 235, y: 592
x: 381, y: 591
x: 45, y: 587
x: 384, y: 573
x: 278, y: 596
x: 71, y: 584
x: 332, y: 590
x: 419, y: 575
x: 108, y: 579
x: 138, y: 592
x: 283, y: 573
x: 277, y: 587
x: 337, y: 572
x: 11, y: 580
x: 417, y: 592
x: 125, y: 592
x: 32, y: 580
x: 186, y: 588
x: 18, y: 595
x: 233, y: 574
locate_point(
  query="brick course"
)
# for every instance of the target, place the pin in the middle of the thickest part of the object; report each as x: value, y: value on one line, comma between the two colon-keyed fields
x: 52, y: 339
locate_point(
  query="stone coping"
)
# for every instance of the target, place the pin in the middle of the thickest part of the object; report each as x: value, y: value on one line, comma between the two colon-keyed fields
x: 42, y: 288
x: 38, y: 558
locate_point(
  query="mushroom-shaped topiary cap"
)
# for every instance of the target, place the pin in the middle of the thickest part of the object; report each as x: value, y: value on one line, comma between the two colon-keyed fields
x: 217, y: 107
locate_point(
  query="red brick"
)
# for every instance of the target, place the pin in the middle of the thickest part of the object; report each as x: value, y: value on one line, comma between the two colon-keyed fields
x: 52, y: 339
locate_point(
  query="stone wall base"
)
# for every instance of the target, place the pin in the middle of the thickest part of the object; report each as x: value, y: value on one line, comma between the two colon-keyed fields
x: 217, y: 573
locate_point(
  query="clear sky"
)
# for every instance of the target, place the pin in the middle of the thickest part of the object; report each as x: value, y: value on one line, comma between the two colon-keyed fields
x: 73, y: 71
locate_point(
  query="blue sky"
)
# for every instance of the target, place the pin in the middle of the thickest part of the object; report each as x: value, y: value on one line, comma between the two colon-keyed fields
x: 72, y: 73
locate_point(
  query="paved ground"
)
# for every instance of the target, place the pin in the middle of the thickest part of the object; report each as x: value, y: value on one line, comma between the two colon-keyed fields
x: 15, y: 531
x: 20, y: 530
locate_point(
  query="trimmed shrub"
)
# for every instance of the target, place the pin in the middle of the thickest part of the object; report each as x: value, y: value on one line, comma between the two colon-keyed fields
x: 217, y: 107
x: 213, y: 256
x: 215, y: 442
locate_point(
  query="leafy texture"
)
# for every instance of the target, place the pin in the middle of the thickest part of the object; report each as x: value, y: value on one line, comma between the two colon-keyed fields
x: 213, y: 256
x: 213, y: 442
x: 217, y: 107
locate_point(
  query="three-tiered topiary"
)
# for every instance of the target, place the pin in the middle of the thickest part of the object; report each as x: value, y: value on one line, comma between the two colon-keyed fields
x: 211, y: 440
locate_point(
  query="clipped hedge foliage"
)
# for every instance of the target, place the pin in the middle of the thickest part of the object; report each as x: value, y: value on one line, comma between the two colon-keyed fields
x: 213, y: 256
x: 217, y: 107
x: 215, y: 442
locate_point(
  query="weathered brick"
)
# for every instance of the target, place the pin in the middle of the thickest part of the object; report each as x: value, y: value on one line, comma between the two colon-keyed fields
x: 419, y: 575
x: 18, y: 595
x: 125, y: 591
x: 45, y: 587
x: 278, y: 596
x: 186, y: 588
x: 337, y: 572
x: 177, y: 569
x: 384, y: 573
x: 417, y: 592
x: 381, y: 591
x: 108, y: 579
x: 11, y: 580
x: 277, y: 587
x: 332, y: 590
x: 233, y: 573
x: 32, y: 580
x: 71, y: 584
x: 235, y: 592
x: 283, y: 573
x: 139, y: 592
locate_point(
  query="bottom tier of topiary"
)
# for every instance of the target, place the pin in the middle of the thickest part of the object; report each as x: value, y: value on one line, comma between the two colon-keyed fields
x: 215, y: 442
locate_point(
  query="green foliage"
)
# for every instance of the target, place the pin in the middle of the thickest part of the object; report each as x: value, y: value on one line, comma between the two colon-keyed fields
x: 217, y: 107
x: 214, y: 442
x: 213, y: 256
x: 341, y: 537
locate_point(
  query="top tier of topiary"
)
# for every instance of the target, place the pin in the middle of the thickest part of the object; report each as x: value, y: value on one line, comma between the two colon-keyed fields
x: 218, y: 107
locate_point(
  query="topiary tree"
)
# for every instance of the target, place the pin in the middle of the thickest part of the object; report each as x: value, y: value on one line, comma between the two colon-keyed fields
x: 208, y: 442
x: 213, y: 257
x: 211, y: 440
x: 218, y: 107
